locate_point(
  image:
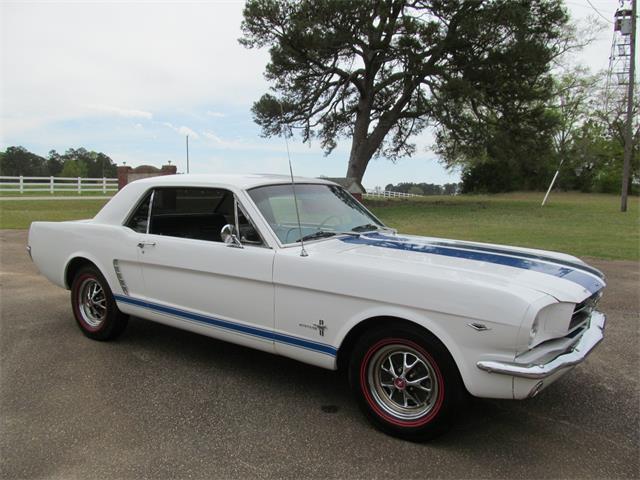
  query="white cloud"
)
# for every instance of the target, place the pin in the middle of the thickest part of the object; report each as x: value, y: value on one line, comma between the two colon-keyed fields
x: 213, y: 137
x: 175, y: 59
x: 187, y: 131
x: 181, y: 130
x: 57, y: 58
x: 122, y: 112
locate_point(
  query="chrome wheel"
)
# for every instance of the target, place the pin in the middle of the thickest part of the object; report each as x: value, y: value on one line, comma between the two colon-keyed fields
x: 92, y: 302
x: 402, y: 381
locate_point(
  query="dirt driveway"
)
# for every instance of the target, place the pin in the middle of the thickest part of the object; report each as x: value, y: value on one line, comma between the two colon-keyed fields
x: 162, y: 403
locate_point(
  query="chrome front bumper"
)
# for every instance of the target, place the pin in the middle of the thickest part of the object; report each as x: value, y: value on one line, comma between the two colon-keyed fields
x: 591, y: 337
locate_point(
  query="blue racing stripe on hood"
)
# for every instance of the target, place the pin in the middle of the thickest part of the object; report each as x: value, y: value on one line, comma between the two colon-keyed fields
x: 582, y: 278
x: 531, y: 256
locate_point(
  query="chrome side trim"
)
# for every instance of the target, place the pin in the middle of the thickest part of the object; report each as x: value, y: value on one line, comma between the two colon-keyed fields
x: 123, y: 284
x: 590, y: 338
x: 153, y: 194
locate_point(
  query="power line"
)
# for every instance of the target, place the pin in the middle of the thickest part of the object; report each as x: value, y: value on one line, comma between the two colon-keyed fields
x: 598, y: 11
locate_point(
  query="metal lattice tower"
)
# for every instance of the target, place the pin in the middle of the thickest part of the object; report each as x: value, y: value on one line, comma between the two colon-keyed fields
x: 620, y: 57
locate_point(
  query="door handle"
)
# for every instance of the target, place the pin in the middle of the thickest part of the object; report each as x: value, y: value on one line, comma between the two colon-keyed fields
x: 146, y: 244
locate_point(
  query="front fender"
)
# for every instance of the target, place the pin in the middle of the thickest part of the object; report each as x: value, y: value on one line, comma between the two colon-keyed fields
x: 466, y: 345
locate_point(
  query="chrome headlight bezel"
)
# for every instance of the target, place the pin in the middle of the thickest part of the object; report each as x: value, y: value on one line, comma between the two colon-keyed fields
x: 551, y: 321
x: 534, y: 330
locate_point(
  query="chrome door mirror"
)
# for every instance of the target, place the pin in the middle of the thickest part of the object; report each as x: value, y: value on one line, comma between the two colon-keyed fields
x: 228, y: 235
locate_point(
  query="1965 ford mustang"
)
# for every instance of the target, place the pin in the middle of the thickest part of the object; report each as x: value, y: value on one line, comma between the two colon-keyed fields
x: 314, y: 276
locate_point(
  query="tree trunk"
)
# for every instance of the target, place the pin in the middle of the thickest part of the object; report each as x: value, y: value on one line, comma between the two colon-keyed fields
x: 364, y: 146
x: 357, y: 158
x: 358, y: 162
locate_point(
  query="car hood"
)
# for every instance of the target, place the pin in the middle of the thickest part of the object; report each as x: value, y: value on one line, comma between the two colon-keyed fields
x: 562, y: 276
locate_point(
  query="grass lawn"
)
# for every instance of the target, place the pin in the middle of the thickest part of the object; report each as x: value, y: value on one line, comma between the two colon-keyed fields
x: 20, y: 213
x: 579, y: 224
x: 588, y: 225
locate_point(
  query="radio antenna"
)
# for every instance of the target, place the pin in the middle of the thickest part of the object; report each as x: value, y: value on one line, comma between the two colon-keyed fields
x: 303, y: 252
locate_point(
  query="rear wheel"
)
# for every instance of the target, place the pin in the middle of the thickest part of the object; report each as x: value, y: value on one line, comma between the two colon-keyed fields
x: 405, y: 382
x: 94, y: 307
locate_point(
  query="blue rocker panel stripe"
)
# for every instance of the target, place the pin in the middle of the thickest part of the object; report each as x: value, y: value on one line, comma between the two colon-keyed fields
x: 232, y: 326
x: 586, y: 280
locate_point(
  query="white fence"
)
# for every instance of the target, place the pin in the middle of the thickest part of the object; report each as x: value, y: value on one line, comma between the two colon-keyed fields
x: 57, y: 184
x: 388, y: 194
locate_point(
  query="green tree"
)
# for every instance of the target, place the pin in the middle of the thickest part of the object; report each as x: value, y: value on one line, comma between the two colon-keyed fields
x: 611, y: 114
x: 380, y: 72
x: 74, y: 168
x: 593, y: 153
x: 91, y: 164
x: 500, y: 153
x: 55, y: 163
x: 572, y: 104
x: 18, y: 161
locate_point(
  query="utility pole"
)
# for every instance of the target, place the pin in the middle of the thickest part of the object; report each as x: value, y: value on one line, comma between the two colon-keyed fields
x: 187, y: 153
x: 628, y: 135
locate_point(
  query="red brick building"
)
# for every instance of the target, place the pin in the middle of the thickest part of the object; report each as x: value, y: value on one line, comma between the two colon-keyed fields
x: 126, y: 174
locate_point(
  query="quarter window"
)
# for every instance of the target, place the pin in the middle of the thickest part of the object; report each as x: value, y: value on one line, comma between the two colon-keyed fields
x: 138, y: 221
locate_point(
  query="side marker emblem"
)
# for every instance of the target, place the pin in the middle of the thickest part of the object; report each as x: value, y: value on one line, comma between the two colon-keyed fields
x: 478, y: 327
x: 321, y: 327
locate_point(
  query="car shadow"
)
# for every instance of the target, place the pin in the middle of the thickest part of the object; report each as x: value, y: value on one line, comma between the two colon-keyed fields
x: 572, y: 406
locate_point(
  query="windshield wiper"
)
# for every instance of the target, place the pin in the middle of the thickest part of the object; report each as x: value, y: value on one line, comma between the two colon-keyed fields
x: 325, y: 234
x: 318, y: 234
x: 370, y: 227
x: 365, y: 228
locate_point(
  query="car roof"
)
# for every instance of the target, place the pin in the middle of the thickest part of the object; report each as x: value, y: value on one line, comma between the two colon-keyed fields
x: 243, y: 181
x: 121, y: 204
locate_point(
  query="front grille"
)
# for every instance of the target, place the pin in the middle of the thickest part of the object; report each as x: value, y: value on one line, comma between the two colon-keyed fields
x: 583, y: 310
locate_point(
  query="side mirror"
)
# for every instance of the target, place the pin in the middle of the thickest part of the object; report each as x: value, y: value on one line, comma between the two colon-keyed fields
x: 228, y: 235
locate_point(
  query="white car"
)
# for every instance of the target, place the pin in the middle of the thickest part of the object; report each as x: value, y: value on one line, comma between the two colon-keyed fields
x: 316, y: 277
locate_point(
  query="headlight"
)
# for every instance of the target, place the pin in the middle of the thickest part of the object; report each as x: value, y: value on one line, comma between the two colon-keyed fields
x: 534, y: 331
x: 551, y: 322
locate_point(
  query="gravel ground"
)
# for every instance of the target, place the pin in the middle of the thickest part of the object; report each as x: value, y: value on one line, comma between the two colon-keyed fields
x: 162, y: 403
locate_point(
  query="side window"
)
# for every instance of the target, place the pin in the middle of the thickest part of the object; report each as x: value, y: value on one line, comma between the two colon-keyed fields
x: 138, y: 220
x: 198, y: 213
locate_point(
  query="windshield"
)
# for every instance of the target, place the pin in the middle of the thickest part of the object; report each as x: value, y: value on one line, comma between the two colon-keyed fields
x: 325, y: 210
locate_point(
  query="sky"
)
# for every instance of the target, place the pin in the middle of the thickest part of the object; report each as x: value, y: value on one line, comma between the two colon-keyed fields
x: 132, y: 79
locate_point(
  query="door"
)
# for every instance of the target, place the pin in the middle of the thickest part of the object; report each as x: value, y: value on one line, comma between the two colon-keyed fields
x: 199, y: 282
x: 126, y: 257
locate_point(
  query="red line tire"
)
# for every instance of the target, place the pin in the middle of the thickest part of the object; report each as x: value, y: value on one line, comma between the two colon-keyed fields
x: 405, y: 381
x: 94, y: 307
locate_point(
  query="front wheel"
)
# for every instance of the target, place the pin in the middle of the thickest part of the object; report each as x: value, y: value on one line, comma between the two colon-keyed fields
x: 94, y: 307
x: 405, y: 381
